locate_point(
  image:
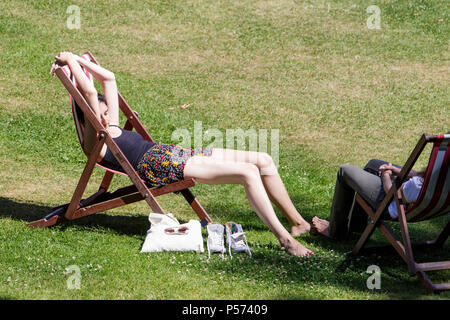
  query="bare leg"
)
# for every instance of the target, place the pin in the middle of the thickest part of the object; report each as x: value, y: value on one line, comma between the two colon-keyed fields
x: 210, y: 170
x: 272, y: 182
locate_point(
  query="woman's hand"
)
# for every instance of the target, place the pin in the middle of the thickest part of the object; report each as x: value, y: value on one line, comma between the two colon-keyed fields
x: 64, y: 57
x: 387, y: 169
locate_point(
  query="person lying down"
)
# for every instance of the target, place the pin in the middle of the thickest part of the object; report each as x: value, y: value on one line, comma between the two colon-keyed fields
x: 160, y: 164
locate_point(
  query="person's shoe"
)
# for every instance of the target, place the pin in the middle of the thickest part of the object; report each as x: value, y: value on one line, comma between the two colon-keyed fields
x: 236, y: 238
x: 215, y: 242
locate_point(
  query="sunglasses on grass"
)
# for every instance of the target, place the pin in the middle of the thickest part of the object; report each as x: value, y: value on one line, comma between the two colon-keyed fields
x: 176, y: 230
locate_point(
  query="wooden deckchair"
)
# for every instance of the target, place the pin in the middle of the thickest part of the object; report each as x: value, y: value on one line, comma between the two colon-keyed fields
x: 433, y: 201
x: 104, y: 200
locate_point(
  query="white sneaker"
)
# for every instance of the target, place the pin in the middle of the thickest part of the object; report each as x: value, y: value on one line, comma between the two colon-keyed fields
x: 215, y: 241
x: 236, y: 238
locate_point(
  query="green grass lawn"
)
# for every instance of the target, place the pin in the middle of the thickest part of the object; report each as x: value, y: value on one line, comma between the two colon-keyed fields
x: 337, y: 91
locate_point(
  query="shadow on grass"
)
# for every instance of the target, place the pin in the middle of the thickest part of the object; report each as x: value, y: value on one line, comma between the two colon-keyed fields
x: 127, y: 225
x: 329, y: 268
x: 314, y: 276
x: 330, y: 271
x: 28, y: 212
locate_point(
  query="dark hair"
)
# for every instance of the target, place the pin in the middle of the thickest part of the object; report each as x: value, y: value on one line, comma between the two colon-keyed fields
x: 101, y: 98
x: 422, y: 172
x: 79, y: 112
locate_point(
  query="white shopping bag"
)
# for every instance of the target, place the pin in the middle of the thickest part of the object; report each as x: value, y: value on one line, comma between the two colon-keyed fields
x: 167, y: 234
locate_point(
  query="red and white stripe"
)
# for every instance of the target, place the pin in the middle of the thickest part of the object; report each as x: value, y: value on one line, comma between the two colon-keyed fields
x: 434, y: 198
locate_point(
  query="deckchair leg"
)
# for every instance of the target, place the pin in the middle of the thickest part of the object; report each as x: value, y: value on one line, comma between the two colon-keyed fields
x: 430, y: 286
x: 44, y: 223
x: 84, y: 179
x: 106, y: 182
x: 196, y: 206
x: 443, y: 236
x: 387, y: 232
x: 405, y: 249
x: 56, y: 216
x: 370, y: 226
x: 405, y: 236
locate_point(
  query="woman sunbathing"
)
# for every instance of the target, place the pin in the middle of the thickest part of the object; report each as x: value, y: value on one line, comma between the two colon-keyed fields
x: 372, y: 184
x: 160, y: 164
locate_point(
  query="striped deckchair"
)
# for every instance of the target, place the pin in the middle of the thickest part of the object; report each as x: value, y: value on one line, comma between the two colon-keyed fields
x: 433, y: 201
x: 104, y: 200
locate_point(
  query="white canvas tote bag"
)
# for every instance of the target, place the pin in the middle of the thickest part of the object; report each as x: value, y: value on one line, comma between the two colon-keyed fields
x: 167, y: 234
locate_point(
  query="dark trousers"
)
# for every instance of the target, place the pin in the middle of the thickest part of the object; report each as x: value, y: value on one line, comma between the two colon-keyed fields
x: 346, y: 216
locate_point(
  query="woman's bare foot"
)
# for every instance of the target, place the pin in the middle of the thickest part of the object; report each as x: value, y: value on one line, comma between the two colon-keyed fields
x: 295, y: 248
x: 300, y: 229
x: 321, y: 226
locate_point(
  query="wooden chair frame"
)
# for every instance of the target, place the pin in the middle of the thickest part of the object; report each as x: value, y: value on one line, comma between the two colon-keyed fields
x: 405, y: 248
x: 104, y: 200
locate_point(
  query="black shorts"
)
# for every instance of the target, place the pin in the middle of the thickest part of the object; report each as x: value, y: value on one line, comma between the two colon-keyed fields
x: 164, y: 163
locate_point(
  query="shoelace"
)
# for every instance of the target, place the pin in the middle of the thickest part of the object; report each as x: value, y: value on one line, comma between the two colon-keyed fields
x: 247, y: 246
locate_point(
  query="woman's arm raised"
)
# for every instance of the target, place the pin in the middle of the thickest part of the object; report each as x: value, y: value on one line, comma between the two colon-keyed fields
x: 86, y: 88
x: 98, y: 72
x: 88, y: 91
x: 108, y: 82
